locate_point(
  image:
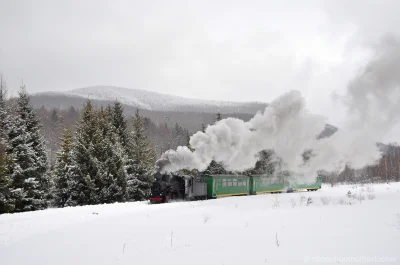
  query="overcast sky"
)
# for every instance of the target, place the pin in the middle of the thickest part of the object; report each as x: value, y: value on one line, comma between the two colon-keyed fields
x: 225, y: 50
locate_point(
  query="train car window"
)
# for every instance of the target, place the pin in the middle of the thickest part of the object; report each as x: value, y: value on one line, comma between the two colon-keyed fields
x: 240, y: 183
x: 229, y: 184
x: 235, y: 183
x: 224, y: 184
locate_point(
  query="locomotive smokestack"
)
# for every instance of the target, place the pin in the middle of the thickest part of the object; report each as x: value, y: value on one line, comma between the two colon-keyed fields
x: 160, y: 164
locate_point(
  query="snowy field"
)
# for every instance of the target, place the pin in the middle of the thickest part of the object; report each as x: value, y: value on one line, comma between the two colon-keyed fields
x: 264, y: 229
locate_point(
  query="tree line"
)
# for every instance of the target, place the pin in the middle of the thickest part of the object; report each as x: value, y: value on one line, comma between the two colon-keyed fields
x: 100, y: 162
x: 163, y: 136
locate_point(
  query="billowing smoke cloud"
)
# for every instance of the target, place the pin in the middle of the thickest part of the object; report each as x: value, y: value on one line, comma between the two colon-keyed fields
x: 372, y: 102
x: 285, y: 126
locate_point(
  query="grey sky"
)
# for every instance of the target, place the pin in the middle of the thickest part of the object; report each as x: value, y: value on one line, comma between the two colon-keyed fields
x: 227, y: 50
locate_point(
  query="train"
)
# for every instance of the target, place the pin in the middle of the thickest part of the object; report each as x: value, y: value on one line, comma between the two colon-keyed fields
x: 170, y: 186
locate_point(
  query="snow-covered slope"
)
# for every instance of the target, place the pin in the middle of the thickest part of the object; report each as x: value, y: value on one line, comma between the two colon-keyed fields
x: 156, y: 101
x: 261, y: 229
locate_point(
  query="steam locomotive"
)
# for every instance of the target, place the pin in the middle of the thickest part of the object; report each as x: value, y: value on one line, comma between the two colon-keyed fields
x: 187, y: 187
x: 177, y: 187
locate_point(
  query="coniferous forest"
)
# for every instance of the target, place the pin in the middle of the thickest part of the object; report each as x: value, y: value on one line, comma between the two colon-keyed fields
x: 102, y: 161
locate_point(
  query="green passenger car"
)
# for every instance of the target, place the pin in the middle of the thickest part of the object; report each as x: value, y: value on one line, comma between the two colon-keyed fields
x: 227, y: 185
x: 283, y: 183
x: 313, y: 186
x: 234, y: 185
x: 268, y: 184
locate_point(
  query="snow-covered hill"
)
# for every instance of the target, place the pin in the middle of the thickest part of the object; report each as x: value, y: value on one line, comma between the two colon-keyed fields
x: 363, y: 228
x: 156, y: 101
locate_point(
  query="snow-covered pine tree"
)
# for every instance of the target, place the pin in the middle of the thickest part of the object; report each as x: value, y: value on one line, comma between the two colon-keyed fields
x: 264, y: 165
x: 19, y: 150
x: 98, y: 157
x: 140, y: 164
x: 53, y: 130
x: 33, y: 127
x: 188, y: 141
x: 3, y: 114
x: 6, y: 201
x: 63, y: 173
x: 85, y: 165
x: 119, y: 123
x: 27, y: 148
x: 3, y: 110
x: 110, y: 154
x: 215, y: 168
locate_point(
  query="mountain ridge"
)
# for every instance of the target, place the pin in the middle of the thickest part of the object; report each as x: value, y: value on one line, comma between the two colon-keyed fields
x: 189, y: 116
x: 156, y: 101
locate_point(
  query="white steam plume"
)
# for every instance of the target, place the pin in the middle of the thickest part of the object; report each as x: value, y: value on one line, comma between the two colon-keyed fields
x: 285, y: 126
x: 372, y: 102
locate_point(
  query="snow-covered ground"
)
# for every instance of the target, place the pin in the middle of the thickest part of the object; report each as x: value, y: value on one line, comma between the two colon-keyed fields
x: 262, y: 229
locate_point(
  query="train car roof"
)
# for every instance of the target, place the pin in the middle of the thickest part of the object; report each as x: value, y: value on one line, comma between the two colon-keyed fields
x: 227, y: 176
